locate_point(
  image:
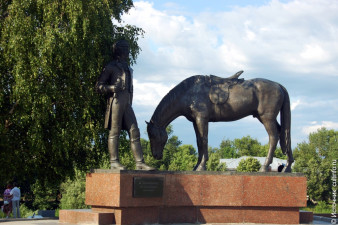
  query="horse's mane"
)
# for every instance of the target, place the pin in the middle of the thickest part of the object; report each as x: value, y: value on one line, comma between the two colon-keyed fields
x: 172, y: 95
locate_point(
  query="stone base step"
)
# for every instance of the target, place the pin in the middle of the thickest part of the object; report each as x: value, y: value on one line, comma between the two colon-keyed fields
x: 86, y: 216
x: 305, y: 217
x: 197, y: 215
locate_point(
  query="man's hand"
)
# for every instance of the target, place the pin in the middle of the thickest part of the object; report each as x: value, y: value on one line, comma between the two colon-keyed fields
x: 117, y: 87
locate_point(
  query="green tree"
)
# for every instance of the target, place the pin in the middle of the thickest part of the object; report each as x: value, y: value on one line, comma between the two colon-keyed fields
x: 73, y: 192
x: 44, y: 195
x: 314, y: 158
x: 176, y: 157
x: 125, y: 154
x: 228, y: 150
x: 265, y: 149
x: 170, y: 152
x: 184, y: 159
x: 249, y: 164
x: 170, y: 149
x: 148, y: 156
x: 213, y: 164
x: 51, y: 118
x: 247, y: 146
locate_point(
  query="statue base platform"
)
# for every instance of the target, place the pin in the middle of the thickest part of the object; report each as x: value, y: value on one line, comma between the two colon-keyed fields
x: 138, y: 197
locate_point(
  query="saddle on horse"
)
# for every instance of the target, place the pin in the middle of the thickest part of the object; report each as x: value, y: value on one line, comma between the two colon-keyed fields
x: 219, y: 87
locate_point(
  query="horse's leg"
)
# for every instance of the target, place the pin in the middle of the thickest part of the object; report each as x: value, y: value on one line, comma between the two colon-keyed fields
x: 271, y: 127
x: 199, y: 159
x: 287, y: 168
x: 201, y: 130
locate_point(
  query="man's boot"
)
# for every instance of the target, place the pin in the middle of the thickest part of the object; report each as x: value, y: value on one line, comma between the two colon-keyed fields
x: 113, y: 147
x: 136, y: 148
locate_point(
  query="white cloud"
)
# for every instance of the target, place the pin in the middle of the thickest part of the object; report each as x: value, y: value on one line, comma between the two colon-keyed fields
x: 181, y: 46
x: 295, y: 104
x: 298, y: 36
x: 310, y: 104
x: 315, y: 126
x: 149, y: 94
x: 250, y: 35
x: 314, y: 53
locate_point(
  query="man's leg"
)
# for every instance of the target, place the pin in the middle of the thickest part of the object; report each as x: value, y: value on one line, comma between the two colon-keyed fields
x: 18, y: 208
x: 129, y: 120
x: 14, y: 209
x: 15, y: 205
x: 113, y: 147
x: 114, y: 133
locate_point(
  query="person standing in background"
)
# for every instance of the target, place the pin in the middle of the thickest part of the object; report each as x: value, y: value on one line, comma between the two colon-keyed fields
x: 7, y: 207
x: 15, y: 195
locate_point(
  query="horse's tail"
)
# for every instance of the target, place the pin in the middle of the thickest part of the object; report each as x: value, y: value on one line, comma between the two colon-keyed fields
x: 285, y: 119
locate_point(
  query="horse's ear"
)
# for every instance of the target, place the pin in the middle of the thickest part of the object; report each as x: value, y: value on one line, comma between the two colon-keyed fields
x: 147, y: 122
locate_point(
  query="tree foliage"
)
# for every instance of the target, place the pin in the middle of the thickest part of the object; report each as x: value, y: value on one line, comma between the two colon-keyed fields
x: 246, y: 146
x: 184, y: 159
x: 73, y: 192
x: 227, y: 150
x: 213, y: 163
x: 314, y: 158
x: 51, y: 119
x: 249, y: 164
x: 178, y: 157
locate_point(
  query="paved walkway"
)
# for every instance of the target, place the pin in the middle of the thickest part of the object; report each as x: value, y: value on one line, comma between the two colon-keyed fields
x: 45, y: 221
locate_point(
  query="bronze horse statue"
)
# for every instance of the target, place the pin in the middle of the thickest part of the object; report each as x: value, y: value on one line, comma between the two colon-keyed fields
x: 203, y: 99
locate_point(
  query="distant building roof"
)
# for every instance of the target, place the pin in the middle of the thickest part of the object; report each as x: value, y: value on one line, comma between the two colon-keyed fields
x: 233, y: 163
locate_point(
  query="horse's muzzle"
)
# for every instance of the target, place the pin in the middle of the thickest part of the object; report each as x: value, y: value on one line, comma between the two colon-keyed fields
x: 158, y: 156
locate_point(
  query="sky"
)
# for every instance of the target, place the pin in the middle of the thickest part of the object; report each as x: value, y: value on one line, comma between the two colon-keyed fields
x: 294, y: 43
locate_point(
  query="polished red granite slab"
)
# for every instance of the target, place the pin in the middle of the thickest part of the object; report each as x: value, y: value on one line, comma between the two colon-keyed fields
x: 199, y: 197
x: 86, y: 216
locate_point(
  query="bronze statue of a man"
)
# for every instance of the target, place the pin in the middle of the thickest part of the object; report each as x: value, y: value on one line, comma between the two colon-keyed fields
x: 116, y: 83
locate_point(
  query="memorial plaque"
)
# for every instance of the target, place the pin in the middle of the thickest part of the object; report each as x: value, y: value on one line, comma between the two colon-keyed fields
x: 148, y: 187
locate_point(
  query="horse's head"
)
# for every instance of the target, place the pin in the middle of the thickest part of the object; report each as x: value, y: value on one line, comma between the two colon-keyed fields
x: 157, y: 137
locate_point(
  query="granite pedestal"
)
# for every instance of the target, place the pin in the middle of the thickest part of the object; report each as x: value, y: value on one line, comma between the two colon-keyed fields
x: 191, y: 197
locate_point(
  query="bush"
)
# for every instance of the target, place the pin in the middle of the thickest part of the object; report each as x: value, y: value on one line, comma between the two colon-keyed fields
x: 249, y: 165
x: 322, y: 207
x: 213, y: 163
x: 44, y: 195
x: 26, y: 212
x: 73, y: 192
x: 2, y: 214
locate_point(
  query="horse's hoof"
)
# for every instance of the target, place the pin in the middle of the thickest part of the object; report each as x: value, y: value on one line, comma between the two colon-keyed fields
x: 263, y: 169
x: 201, y: 168
x: 287, y: 169
x: 195, y: 168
